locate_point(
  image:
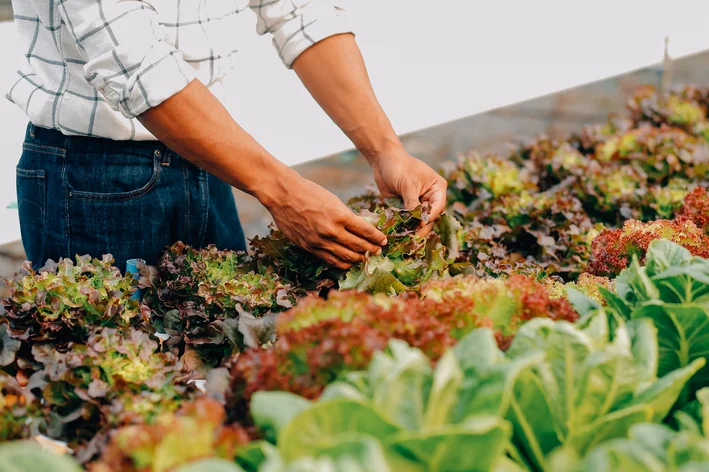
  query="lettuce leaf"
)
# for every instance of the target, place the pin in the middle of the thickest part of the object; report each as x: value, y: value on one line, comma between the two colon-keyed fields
x: 349, y: 453
x: 672, y: 290
x: 28, y: 455
x: 593, y: 384
x: 415, y: 411
x: 408, y: 259
x: 647, y: 447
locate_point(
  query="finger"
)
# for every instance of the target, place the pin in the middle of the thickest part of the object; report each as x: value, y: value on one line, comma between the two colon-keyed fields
x: 357, y: 244
x: 411, y: 199
x: 425, y: 230
x: 330, y: 259
x: 359, y: 227
x: 343, y: 253
x: 436, y: 196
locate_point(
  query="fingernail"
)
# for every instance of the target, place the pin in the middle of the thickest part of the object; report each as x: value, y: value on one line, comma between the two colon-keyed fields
x: 379, y: 252
x: 384, y: 242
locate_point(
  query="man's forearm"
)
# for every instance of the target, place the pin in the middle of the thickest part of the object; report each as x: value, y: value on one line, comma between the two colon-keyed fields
x: 335, y: 75
x: 197, y: 126
x: 194, y: 124
x: 334, y: 72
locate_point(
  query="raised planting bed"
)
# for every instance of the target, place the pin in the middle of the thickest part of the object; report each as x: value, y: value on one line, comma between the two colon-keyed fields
x: 556, y: 319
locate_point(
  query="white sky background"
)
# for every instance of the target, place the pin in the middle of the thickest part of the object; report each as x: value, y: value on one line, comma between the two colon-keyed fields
x: 430, y: 62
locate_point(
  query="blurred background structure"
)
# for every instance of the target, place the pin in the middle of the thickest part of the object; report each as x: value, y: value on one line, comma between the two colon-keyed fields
x: 5, y: 10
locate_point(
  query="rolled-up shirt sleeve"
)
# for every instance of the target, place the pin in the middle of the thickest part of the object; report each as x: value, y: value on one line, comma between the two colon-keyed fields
x: 128, y: 60
x: 298, y: 24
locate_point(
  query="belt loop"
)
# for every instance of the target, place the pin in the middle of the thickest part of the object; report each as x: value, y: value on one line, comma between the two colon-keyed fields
x: 164, y: 156
x: 32, y: 130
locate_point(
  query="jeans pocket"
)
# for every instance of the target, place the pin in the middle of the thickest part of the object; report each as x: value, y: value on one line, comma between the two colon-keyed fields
x: 128, y: 216
x: 111, y: 176
x: 32, y: 208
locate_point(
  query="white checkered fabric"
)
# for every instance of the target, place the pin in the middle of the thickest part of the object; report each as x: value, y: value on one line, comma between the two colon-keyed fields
x: 92, y: 66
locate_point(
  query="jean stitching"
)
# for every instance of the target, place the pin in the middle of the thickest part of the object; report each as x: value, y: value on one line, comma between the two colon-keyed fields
x: 43, y: 148
x: 30, y: 173
x: 122, y: 196
x: 185, y: 173
x: 204, y: 187
x: 44, y: 219
x: 67, y: 219
x: 147, y: 156
x: 43, y: 212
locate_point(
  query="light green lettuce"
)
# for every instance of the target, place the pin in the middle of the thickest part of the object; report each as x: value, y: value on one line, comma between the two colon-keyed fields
x: 593, y: 384
x: 648, y: 448
x: 419, y: 417
x: 672, y: 290
x: 21, y: 456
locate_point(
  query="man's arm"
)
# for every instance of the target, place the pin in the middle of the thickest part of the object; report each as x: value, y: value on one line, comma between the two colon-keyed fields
x: 196, y: 125
x: 139, y: 73
x: 334, y: 72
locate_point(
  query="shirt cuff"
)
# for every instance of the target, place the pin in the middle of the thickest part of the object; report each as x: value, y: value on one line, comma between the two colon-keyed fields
x: 161, y: 74
x: 305, y: 30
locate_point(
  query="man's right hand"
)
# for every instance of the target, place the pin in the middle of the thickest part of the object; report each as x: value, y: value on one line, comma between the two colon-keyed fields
x: 318, y: 221
x: 308, y: 215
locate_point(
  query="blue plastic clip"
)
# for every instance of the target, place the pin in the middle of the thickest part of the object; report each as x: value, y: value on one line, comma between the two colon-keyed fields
x: 132, y: 267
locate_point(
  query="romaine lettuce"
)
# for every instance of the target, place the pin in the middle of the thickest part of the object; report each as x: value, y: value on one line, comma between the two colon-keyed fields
x: 593, y: 384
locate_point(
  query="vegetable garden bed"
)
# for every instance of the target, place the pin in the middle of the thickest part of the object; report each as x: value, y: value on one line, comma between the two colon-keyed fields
x: 556, y: 319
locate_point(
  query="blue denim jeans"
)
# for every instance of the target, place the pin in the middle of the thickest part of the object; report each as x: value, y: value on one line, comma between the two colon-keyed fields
x: 130, y: 199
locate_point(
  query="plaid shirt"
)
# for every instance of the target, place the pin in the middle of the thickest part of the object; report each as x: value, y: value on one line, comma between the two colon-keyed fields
x: 94, y: 65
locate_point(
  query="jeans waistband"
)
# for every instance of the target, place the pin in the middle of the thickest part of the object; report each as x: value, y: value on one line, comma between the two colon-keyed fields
x: 55, y: 138
x: 50, y: 137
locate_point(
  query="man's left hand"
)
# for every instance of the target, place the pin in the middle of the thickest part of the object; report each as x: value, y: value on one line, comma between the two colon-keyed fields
x: 334, y: 72
x: 398, y: 174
